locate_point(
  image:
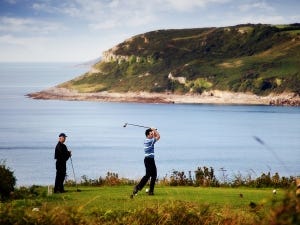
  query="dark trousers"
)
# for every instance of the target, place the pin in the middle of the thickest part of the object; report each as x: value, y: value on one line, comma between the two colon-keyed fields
x: 150, y: 172
x: 61, y: 170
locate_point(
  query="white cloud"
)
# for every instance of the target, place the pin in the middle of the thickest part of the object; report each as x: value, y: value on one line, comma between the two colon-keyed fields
x: 84, y: 9
x: 70, y: 30
x: 11, y: 40
x: 42, y: 7
x: 69, y: 8
x: 23, y: 41
x: 115, y: 14
x: 118, y: 14
x: 45, y: 49
x: 108, y: 24
x: 261, y: 5
x: 184, y: 5
x: 24, y: 48
x: 25, y: 26
x: 11, y: 1
x: 264, y: 19
x: 114, y: 3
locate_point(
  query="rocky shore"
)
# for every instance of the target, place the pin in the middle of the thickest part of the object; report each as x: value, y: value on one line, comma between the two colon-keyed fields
x: 211, y: 97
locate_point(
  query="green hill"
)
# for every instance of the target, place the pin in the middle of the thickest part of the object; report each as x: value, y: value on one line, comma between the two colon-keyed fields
x: 245, y: 58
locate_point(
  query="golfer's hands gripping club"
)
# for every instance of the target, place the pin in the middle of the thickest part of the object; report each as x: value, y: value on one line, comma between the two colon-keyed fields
x: 155, y: 133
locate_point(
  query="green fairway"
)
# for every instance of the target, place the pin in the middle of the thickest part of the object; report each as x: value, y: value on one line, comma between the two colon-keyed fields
x: 170, y: 205
x: 118, y: 197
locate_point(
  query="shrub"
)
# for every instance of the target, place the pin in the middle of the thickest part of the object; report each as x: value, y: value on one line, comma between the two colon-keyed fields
x: 206, y: 177
x: 7, y: 181
x: 90, y: 182
x: 199, y: 85
x: 26, y: 192
x: 178, y: 178
x: 287, y: 212
x: 112, y: 179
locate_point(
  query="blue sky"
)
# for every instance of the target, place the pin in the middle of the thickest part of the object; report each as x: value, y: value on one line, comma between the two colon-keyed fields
x: 80, y: 30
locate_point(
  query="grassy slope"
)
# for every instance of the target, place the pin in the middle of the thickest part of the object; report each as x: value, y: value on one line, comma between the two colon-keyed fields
x: 255, y: 58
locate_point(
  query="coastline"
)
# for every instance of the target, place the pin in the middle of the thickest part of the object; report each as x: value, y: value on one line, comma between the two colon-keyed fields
x: 211, y: 97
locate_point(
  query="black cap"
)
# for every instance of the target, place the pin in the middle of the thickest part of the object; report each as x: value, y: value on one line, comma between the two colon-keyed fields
x: 62, y: 135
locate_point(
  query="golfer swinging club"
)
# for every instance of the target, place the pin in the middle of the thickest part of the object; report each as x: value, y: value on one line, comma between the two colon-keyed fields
x: 62, y: 154
x: 152, y: 136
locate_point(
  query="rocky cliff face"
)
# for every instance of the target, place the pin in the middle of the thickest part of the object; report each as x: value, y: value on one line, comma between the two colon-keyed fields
x: 110, y: 56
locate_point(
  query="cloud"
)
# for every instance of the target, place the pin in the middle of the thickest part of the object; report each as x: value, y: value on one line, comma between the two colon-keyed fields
x: 23, y: 46
x: 118, y: 14
x: 11, y: 1
x: 11, y: 40
x: 85, y: 9
x: 40, y: 49
x: 108, y: 24
x: 111, y: 14
x: 124, y: 19
x: 184, y: 5
x: 24, y: 25
x: 264, y: 19
x: 259, y: 5
x: 70, y: 29
x: 41, y: 7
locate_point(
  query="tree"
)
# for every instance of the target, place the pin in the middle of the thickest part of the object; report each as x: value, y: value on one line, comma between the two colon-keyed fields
x: 7, y: 181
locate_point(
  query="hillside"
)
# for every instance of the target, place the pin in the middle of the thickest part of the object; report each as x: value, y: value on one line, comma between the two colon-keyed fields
x: 259, y: 59
x: 255, y: 58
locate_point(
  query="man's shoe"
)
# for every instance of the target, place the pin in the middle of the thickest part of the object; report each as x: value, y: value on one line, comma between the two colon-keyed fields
x: 135, y: 191
x: 150, y: 193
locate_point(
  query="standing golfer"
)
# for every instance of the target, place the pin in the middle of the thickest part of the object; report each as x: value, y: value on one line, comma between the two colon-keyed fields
x: 152, y: 136
x: 62, y: 154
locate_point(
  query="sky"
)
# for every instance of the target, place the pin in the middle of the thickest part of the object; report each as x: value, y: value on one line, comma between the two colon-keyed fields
x: 80, y: 30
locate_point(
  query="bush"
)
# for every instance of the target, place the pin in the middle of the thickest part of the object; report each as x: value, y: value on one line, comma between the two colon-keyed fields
x: 111, y: 179
x: 7, y: 181
x: 178, y: 179
x: 287, y: 212
x: 205, y: 177
x: 26, y: 192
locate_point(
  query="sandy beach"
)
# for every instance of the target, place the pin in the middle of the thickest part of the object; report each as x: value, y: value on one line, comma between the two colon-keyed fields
x: 211, y: 97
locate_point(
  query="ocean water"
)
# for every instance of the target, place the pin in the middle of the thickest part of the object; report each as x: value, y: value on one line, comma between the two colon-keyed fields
x: 192, y: 135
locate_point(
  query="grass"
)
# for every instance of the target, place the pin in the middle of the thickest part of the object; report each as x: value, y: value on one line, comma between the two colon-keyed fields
x: 117, y: 198
x: 169, y: 205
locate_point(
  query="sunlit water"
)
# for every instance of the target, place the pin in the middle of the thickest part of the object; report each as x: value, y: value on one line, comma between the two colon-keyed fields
x: 191, y: 135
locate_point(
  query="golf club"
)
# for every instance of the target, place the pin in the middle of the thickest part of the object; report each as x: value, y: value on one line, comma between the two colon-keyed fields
x: 74, y: 175
x: 272, y: 151
x: 136, y: 125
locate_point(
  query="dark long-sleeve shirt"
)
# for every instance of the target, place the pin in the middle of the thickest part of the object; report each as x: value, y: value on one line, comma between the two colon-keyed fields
x: 61, y: 152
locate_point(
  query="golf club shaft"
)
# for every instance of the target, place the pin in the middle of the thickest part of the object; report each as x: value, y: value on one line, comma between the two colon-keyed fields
x: 136, y: 125
x: 260, y: 141
x: 73, y: 173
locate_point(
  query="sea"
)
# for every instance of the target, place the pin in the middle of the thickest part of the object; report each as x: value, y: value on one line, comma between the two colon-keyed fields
x: 232, y: 139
